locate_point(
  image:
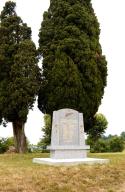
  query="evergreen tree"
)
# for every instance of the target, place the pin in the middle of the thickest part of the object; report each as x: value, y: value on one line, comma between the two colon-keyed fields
x: 20, y: 75
x: 74, y: 69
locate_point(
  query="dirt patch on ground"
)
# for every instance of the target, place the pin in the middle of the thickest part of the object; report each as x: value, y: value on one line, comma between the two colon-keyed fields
x: 122, y: 188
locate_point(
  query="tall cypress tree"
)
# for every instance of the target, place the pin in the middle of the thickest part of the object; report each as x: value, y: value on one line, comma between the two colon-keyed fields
x: 74, y: 69
x: 19, y: 72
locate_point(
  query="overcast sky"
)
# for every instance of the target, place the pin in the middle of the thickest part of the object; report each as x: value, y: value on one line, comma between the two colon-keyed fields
x: 111, y: 16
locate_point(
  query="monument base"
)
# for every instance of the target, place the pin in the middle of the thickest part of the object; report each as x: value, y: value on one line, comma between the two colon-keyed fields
x: 68, y: 152
x: 68, y: 162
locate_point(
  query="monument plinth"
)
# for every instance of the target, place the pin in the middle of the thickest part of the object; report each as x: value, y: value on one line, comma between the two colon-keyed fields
x: 68, y: 140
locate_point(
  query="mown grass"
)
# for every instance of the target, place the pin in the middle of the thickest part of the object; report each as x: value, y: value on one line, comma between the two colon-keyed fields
x: 19, y: 174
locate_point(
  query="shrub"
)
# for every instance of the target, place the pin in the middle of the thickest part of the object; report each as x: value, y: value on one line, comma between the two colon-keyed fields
x: 5, y: 143
x: 116, y: 144
x: 100, y: 146
x: 106, y: 144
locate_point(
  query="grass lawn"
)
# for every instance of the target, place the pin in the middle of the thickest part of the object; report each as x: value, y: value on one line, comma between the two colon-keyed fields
x: 19, y: 174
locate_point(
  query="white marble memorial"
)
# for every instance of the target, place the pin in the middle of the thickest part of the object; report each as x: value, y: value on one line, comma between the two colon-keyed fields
x: 68, y: 140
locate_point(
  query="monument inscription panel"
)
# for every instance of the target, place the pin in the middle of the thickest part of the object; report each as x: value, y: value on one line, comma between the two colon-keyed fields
x: 68, y: 131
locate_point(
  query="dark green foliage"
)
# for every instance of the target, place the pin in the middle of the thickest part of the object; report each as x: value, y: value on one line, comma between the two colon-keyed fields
x: 70, y: 85
x: 74, y: 69
x: 18, y: 66
x: 23, y: 84
x: 19, y: 72
x: 106, y: 144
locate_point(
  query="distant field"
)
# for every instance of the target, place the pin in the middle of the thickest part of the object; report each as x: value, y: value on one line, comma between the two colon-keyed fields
x: 19, y: 174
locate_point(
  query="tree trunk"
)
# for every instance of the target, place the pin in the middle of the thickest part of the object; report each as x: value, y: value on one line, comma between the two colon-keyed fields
x: 19, y: 137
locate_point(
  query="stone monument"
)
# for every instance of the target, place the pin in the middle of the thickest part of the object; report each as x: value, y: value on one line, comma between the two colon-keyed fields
x: 68, y: 140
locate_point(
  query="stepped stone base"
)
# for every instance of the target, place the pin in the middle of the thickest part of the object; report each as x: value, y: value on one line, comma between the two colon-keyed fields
x: 68, y: 162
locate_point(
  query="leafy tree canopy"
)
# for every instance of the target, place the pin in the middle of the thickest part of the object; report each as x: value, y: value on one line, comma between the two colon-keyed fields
x: 99, y: 126
x: 74, y: 69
